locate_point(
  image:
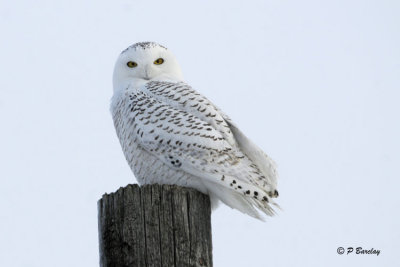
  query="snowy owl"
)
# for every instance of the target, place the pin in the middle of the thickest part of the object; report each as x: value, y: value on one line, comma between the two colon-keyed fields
x: 171, y: 134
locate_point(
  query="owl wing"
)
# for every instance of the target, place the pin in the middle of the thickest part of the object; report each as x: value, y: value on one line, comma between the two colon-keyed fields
x: 183, y: 97
x: 184, y: 141
x: 265, y: 164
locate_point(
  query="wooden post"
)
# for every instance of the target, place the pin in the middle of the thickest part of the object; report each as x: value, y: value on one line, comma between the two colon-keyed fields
x: 155, y: 225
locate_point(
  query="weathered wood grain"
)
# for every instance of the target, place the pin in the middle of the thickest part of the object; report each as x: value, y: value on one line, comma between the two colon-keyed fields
x: 155, y: 225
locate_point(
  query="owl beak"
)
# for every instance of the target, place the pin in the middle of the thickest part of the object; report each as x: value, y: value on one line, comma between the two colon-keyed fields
x: 146, y: 77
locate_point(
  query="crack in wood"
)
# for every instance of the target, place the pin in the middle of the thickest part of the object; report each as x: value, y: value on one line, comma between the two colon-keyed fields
x: 155, y: 225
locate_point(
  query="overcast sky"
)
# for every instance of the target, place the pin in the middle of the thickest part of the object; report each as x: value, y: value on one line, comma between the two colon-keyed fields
x: 314, y: 83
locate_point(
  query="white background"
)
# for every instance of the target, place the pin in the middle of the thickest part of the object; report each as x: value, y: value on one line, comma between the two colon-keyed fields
x: 314, y: 83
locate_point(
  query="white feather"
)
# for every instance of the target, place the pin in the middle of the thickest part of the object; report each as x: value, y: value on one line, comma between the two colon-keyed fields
x: 172, y: 134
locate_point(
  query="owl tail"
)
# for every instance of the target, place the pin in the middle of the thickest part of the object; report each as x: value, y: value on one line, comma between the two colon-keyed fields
x: 239, y: 201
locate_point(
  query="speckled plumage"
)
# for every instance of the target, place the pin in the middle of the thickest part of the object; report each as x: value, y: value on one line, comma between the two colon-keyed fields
x: 171, y: 134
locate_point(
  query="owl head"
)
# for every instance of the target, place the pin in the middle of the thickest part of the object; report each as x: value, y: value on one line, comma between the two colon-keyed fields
x: 144, y: 62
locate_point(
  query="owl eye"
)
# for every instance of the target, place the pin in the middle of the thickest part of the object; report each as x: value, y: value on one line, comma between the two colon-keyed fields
x: 131, y: 64
x: 159, y: 61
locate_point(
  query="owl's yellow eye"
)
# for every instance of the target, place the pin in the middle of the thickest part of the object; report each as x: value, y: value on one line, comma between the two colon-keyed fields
x: 131, y: 64
x: 159, y: 61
